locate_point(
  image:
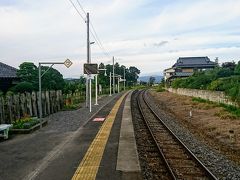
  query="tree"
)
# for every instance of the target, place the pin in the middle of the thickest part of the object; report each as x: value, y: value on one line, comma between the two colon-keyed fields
x: 229, y: 65
x: 151, y: 80
x: 28, y: 72
x: 237, y: 69
x: 52, y: 79
x: 23, y: 87
x: 132, y: 75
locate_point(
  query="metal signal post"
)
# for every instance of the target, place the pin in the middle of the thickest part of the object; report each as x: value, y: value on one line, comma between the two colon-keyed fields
x: 67, y: 63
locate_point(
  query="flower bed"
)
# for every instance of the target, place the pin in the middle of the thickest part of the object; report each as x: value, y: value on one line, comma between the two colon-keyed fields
x: 26, y: 125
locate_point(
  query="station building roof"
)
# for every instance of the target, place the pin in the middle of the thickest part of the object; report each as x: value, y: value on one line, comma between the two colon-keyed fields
x: 7, y: 71
x: 194, y: 62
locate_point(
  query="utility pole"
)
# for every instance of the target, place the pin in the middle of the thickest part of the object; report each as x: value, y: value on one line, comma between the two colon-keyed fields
x: 88, y: 59
x: 113, y: 77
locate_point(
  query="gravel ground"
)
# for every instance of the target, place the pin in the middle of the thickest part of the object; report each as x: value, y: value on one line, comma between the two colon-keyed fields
x: 67, y: 121
x: 217, y: 163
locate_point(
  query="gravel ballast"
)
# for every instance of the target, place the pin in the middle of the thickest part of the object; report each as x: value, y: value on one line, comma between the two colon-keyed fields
x: 217, y: 163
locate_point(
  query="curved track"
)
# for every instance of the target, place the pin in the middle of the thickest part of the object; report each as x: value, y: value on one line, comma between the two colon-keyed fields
x: 178, y: 160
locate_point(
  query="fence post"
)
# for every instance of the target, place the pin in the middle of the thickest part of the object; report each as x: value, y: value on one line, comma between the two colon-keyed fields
x: 48, y: 102
x: 34, y: 104
x: 16, y: 106
x: 9, y: 105
x: 23, y: 104
x: 29, y: 104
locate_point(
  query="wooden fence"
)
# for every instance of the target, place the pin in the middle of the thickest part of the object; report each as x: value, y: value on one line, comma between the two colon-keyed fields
x: 13, y: 107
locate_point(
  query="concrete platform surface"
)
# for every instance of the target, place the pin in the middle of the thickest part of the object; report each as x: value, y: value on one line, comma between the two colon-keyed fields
x: 127, y: 160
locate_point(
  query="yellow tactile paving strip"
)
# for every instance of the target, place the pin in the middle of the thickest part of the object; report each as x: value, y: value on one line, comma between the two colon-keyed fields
x: 88, y: 167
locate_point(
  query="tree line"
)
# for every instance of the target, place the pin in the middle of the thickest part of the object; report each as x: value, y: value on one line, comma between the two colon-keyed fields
x: 53, y: 79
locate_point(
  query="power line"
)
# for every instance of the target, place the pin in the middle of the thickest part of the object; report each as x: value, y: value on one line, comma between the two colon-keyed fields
x: 93, y: 33
x: 77, y: 11
x: 81, y: 7
x: 99, y: 42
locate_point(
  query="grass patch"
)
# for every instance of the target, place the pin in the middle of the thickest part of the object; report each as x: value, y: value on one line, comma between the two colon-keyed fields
x: 230, y: 112
x: 197, y: 99
x: 232, y: 109
x: 160, y: 89
x: 71, y: 107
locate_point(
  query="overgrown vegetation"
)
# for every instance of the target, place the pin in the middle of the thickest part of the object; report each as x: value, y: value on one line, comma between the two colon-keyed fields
x: 233, y: 110
x: 225, y: 78
x: 161, y: 86
x: 71, y: 107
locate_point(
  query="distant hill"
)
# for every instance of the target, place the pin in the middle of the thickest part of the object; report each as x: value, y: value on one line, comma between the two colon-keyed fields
x: 146, y: 78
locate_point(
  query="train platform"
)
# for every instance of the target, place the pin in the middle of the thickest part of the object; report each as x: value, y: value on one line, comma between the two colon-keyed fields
x: 112, y: 154
x: 104, y: 148
x: 76, y: 145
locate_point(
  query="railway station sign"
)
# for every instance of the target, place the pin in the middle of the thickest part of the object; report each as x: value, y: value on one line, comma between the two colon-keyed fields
x: 90, y: 68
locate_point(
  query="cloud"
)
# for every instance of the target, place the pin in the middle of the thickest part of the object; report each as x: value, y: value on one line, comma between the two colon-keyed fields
x: 159, y: 44
x: 190, y: 16
x: 145, y: 33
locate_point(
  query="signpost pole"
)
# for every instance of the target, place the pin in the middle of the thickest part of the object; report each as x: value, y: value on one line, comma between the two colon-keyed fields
x: 90, y: 93
x: 113, y: 77
x: 67, y: 63
x: 124, y: 82
x: 96, y: 93
x: 40, y: 94
x: 118, y: 83
x: 110, y: 84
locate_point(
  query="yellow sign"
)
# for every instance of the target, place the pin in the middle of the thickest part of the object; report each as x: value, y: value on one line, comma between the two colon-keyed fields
x: 68, y: 63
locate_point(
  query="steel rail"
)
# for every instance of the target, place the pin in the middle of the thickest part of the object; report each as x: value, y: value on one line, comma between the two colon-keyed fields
x: 208, y: 172
x: 169, y: 169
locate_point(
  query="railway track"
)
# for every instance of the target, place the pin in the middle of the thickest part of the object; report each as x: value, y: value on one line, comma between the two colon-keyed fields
x: 177, y: 161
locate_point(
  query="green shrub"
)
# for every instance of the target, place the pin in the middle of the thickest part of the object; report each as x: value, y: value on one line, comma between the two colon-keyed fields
x: 23, y: 87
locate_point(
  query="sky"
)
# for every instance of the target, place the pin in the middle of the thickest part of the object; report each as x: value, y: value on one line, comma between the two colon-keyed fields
x: 148, y: 34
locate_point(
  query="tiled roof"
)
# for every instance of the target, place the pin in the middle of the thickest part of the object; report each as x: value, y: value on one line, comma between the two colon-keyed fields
x: 194, y: 62
x: 7, y: 71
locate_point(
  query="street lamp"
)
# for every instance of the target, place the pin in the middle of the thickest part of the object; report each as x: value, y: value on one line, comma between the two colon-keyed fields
x: 67, y: 63
x: 110, y: 84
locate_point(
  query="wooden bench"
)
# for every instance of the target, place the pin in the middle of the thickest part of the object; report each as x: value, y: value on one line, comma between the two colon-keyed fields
x: 4, y: 128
